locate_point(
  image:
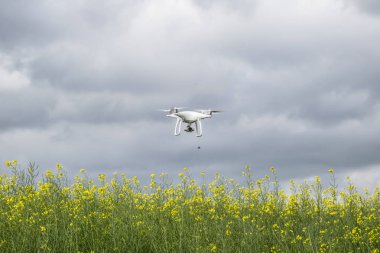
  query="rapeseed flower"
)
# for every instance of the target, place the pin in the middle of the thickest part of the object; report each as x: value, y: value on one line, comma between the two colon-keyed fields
x: 87, y: 216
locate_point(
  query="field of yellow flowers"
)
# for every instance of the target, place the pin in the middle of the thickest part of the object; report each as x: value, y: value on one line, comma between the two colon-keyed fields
x: 121, y: 215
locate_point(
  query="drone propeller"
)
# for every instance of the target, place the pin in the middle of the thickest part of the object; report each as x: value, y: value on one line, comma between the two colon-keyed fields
x: 215, y: 111
x: 209, y: 111
x: 172, y: 109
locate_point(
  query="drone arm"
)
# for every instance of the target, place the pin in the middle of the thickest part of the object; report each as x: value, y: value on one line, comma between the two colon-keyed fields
x: 198, y: 127
x: 177, y: 129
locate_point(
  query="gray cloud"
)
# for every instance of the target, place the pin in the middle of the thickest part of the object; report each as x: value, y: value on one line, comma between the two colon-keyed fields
x: 244, y: 7
x: 38, y: 24
x: 26, y: 109
x: 369, y: 6
x: 25, y: 22
x: 81, y: 82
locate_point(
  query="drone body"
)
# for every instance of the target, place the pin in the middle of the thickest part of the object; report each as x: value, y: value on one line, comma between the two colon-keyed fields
x: 189, y: 117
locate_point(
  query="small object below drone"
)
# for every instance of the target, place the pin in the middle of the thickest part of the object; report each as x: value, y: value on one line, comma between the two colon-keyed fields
x: 189, y: 129
x: 189, y: 117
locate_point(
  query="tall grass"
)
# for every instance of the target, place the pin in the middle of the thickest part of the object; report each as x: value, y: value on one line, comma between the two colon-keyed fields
x: 120, y: 215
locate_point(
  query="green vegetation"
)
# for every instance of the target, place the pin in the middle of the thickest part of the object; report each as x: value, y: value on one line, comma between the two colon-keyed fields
x: 120, y: 215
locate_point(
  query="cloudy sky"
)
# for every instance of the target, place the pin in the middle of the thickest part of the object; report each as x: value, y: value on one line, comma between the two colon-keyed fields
x: 298, y: 80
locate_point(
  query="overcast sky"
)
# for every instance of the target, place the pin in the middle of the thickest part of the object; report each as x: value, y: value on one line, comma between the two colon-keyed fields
x: 298, y: 80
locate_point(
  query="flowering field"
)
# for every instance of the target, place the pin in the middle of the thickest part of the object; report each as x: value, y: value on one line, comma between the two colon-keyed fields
x: 120, y: 215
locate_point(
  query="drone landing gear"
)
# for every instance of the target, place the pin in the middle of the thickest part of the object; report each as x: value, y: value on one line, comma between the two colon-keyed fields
x: 189, y: 129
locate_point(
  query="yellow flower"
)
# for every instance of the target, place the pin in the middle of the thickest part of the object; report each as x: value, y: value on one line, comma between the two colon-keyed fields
x: 42, y: 228
x: 174, y: 213
x: 136, y: 180
x: 11, y: 163
x: 102, y: 177
x: 213, y: 247
x: 49, y: 174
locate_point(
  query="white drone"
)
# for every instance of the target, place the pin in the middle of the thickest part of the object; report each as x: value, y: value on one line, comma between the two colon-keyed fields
x: 189, y: 117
